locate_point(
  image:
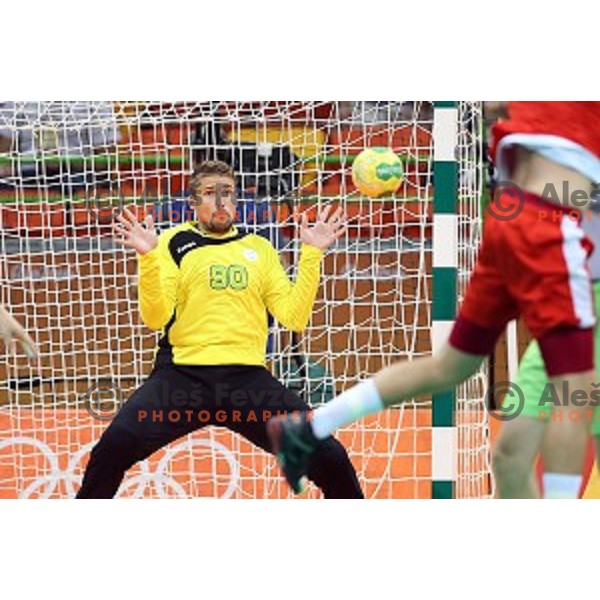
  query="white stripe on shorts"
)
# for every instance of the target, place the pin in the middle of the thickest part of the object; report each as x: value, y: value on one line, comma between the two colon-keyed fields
x: 579, y: 277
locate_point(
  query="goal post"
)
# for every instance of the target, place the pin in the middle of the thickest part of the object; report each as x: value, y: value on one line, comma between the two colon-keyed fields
x: 445, y: 264
x: 389, y: 290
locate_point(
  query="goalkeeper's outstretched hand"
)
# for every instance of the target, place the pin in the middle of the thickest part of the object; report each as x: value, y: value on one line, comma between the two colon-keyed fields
x: 12, y: 331
x: 142, y: 237
x: 325, y: 230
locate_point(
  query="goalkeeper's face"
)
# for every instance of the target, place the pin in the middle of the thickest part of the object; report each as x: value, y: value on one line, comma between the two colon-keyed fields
x: 216, y: 203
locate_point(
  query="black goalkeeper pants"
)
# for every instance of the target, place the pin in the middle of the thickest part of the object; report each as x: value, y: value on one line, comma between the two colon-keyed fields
x: 177, y: 400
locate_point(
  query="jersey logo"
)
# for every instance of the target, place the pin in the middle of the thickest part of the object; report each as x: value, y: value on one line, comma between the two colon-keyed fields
x: 186, y: 247
x: 186, y: 241
x: 251, y: 255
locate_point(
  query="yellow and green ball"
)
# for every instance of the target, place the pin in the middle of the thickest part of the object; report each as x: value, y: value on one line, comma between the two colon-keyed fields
x: 377, y: 171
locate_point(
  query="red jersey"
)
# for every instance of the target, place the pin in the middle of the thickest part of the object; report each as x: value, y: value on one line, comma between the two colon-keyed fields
x: 575, y: 121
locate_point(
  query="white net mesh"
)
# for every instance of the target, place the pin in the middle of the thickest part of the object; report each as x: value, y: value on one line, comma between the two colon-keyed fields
x: 74, y: 289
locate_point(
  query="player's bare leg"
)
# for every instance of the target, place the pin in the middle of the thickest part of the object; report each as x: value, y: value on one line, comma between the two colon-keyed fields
x: 295, y: 442
x: 514, y: 457
x: 518, y: 446
x: 404, y: 380
x: 569, y: 426
x: 567, y: 438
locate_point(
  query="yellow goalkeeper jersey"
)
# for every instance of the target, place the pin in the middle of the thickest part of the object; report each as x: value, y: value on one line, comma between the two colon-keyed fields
x: 211, y: 294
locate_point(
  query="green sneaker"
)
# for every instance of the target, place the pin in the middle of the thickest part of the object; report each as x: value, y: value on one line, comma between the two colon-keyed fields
x: 293, y: 442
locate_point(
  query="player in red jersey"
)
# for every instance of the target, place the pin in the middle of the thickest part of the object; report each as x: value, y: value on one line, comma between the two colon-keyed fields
x: 532, y: 265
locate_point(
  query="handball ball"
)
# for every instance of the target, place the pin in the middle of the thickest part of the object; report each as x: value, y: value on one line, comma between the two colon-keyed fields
x: 377, y: 171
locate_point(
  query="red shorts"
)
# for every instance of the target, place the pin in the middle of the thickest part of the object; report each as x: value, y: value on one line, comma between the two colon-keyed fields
x: 532, y: 266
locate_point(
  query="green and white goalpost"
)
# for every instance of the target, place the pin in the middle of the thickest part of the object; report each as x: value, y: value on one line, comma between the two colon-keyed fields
x: 445, y: 271
x: 390, y: 287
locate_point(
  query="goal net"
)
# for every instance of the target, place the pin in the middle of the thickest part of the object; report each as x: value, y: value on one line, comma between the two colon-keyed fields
x: 66, y: 167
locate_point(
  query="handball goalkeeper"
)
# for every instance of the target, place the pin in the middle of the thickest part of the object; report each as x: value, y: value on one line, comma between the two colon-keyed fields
x: 209, y: 286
